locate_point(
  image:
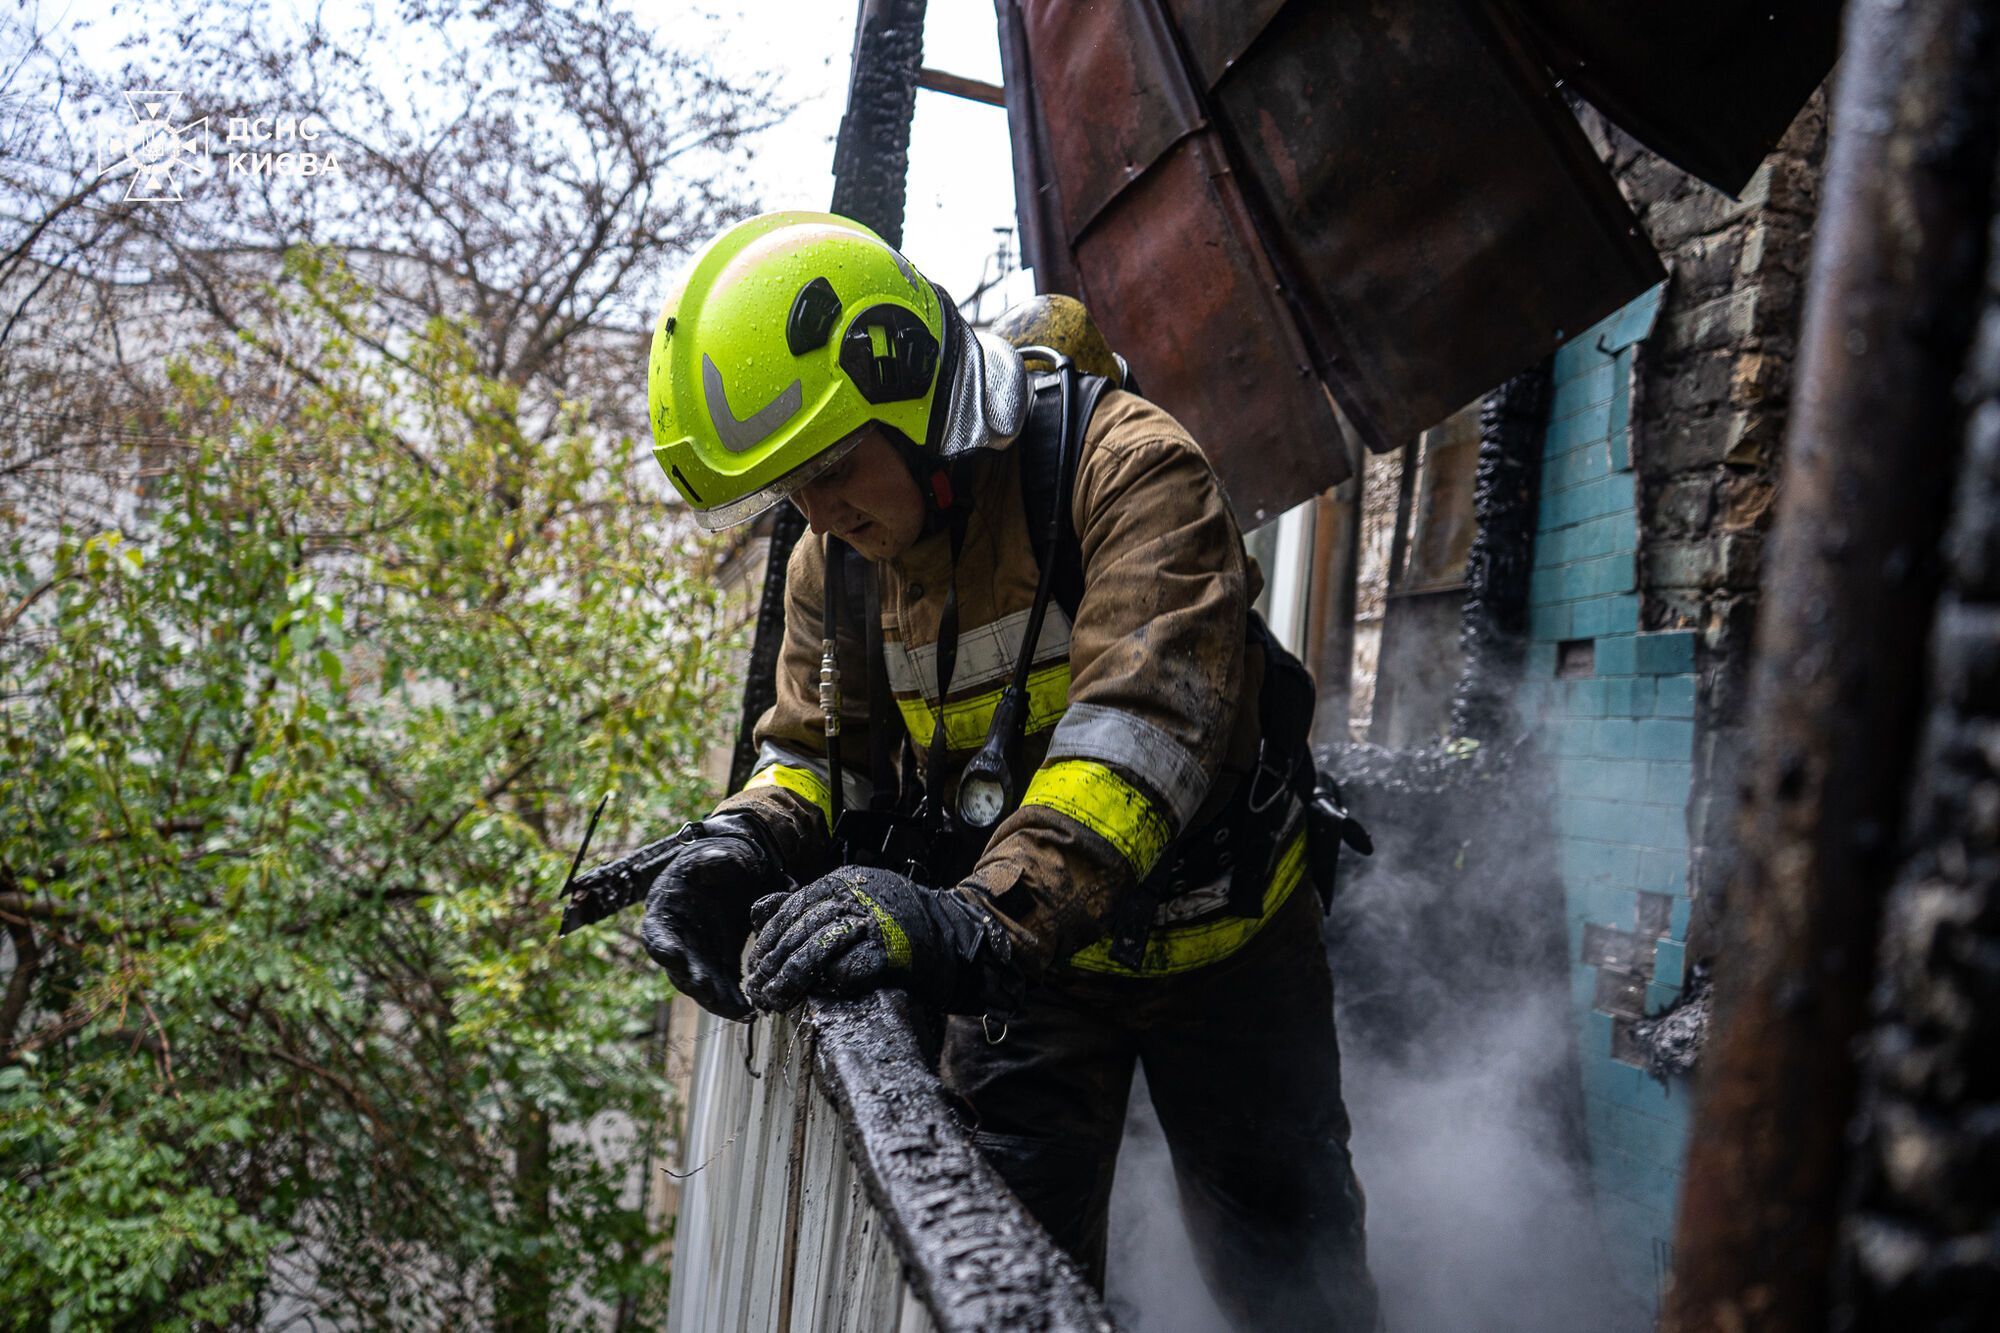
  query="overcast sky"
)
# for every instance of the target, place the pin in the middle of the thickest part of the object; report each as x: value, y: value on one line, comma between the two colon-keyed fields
x: 961, y: 183
x: 961, y: 176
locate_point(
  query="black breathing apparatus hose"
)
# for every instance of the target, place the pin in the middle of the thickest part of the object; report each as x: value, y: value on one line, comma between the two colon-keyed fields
x: 829, y: 677
x: 986, y: 792
x: 986, y: 784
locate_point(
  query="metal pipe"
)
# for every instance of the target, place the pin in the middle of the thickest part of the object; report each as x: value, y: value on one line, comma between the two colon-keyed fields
x: 1037, y: 201
x: 1330, y: 621
x: 1399, y: 534
x: 1839, y: 681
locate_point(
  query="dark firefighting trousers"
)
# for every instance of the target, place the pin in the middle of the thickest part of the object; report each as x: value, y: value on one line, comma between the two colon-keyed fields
x: 1244, y: 1072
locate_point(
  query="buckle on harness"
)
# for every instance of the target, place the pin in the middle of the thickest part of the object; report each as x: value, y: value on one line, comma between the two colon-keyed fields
x: 1282, y: 781
x: 1263, y: 820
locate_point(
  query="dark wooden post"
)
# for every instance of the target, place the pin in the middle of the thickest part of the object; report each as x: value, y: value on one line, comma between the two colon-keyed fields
x: 1920, y: 1243
x: 1840, y: 676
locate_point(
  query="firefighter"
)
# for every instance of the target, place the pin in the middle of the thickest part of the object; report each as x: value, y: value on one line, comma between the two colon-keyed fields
x: 1129, y: 883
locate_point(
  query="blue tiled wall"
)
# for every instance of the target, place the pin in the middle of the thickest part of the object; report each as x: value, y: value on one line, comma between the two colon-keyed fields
x: 1616, y: 709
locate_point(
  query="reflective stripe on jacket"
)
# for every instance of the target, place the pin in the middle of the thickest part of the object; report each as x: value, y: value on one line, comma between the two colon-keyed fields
x: 1142, y: 714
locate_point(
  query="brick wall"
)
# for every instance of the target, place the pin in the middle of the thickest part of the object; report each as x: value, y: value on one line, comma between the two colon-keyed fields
x: 1660, y: 465
x: 1614, y: 706
x: 1710, y: 397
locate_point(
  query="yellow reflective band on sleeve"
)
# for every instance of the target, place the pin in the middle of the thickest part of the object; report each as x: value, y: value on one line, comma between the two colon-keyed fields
x: 1107, y: 805
x: 1184, y: 948
x: 800, y: 782
x: 966, y: 721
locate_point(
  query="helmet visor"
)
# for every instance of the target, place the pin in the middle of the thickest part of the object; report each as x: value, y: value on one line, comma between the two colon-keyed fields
x: 746, y: 507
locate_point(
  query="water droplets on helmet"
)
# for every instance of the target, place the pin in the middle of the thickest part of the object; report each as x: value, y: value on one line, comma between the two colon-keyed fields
x: 819, y: 329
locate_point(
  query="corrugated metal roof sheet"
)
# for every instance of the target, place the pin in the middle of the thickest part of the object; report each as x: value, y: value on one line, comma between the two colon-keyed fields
x: 1273, y: 208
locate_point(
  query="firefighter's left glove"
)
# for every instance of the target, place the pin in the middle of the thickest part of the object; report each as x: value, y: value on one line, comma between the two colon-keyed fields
x: 698, y: 909
x: 859, y: 928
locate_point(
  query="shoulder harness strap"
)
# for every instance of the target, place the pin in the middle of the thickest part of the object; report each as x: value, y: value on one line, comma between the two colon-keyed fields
x: 1044, y: 492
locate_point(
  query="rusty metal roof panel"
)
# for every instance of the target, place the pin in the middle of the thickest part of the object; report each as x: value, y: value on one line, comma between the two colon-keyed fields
x: 1389, y: 205
x: 1207, y: 333
x: 1272, y: 201
x: 1214, y: 35
x: 1110, y: 79
x: 1436, y: 208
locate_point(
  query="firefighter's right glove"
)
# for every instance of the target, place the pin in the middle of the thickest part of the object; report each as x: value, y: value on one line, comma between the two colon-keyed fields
x: 698, y: 910
x: 859, y: 928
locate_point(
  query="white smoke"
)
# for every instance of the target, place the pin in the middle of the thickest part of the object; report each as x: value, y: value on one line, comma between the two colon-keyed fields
x: 1479, y: 1221
x: 1150, y: 1280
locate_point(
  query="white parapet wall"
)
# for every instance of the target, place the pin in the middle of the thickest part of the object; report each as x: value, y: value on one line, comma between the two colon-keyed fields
x: 750, y: 1219
x: 829, y: 1188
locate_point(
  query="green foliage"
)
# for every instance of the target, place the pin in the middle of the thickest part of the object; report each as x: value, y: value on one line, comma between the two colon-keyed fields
x: 293, y: 767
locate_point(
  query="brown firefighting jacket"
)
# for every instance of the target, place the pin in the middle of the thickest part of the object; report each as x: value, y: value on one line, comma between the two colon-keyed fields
x: 1142, y: 715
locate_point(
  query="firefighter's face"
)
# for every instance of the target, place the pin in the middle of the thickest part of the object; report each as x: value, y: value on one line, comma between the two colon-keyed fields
x: 869, y: 500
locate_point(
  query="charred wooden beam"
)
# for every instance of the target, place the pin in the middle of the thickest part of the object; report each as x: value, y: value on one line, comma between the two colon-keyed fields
x: 1493, y: 631
x: 1836, y: 699
x: 871, y: 161
x: 969, y: 1247
x: 1920, y: 1243
x: 957, y: 85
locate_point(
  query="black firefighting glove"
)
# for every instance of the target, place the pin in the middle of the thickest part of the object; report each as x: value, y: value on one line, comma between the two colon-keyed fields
x: 859, y: 928
x: 698, y: 910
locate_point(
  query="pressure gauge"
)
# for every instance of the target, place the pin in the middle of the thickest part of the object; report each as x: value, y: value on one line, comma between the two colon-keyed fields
x: 986, y: 787
x: 982, y: 801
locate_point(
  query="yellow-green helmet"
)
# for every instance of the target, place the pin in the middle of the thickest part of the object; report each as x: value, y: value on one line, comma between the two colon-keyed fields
x: 793, y: 331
